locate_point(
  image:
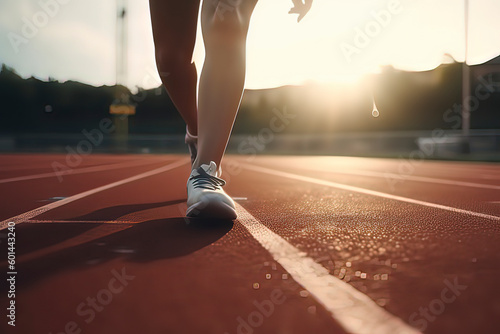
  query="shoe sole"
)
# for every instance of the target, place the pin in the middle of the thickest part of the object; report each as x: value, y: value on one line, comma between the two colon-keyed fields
x: 211, y: 209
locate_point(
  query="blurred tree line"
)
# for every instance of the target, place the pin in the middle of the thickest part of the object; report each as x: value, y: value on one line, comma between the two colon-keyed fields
x: 405, y: 100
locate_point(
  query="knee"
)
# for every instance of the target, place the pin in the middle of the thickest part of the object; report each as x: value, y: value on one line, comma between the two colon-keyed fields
x: 171, y: 57
x: 227, y: 23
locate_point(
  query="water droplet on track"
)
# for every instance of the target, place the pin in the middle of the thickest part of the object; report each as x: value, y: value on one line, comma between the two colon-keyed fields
x: 123, y: 251
x: 56, y: 198
x: 311, y: 309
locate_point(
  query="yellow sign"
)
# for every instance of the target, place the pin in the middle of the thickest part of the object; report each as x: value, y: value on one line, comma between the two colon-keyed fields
x: 122, y: 109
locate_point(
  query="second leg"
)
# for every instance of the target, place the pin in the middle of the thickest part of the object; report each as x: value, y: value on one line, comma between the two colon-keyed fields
x: 225, y: 26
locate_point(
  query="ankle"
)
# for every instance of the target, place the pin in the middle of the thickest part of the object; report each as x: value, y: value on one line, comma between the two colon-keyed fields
x: 197, y: 164
x: 192, y: 133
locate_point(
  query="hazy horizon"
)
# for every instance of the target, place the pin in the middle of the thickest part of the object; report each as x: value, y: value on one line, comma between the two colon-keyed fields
x: 337, y: 42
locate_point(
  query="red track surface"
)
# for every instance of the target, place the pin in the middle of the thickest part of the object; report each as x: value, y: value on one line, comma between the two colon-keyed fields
x: 207, y: 277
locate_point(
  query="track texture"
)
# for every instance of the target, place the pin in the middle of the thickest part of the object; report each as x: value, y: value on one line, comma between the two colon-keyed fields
x: 125, y: 260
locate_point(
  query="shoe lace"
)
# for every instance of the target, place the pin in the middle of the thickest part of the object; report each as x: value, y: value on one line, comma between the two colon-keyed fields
x: 206, y: 181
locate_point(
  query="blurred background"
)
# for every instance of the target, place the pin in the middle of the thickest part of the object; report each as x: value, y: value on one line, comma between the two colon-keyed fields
x: 382, y: 78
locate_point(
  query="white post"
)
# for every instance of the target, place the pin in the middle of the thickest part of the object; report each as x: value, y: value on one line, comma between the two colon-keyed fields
x: 466, y: 78
x: 122, y: 97
x: 121, y: 42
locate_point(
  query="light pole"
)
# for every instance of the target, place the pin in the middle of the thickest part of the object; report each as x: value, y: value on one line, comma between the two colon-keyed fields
x: 121, y: 107
x: 466, y: 79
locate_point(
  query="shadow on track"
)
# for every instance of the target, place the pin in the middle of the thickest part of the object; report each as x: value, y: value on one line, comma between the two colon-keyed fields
x: 115, y: 212
x: 152, y: 240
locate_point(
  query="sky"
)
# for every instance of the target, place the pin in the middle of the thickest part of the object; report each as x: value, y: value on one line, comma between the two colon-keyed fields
x: 338, y: 41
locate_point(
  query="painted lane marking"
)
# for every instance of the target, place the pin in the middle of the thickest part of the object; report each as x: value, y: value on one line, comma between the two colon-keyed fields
x: 78, y: 171
x: 38, y: 211
x: 368, y: 192
x: 422, y: 179
x: 354, y: 311
x: 57, y: 221
x: 397, y: 177
x: 88, y: 236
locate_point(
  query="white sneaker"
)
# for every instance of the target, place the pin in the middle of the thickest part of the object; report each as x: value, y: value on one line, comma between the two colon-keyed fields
x: 206, y: 198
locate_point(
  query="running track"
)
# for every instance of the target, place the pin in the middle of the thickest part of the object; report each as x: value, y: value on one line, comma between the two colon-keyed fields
x: 322, y: 245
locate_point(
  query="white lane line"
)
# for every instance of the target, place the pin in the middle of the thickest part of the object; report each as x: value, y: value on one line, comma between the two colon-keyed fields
x: 35, y: 221
x: 38, y: 211
x: 489, y: 177
x: 368, y: 192
x: 444, y: 181
x: 78, y: 171
x: 396, y: 178
x: 88, y: 236
x: 352, y: 309
x: 44, y: 164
